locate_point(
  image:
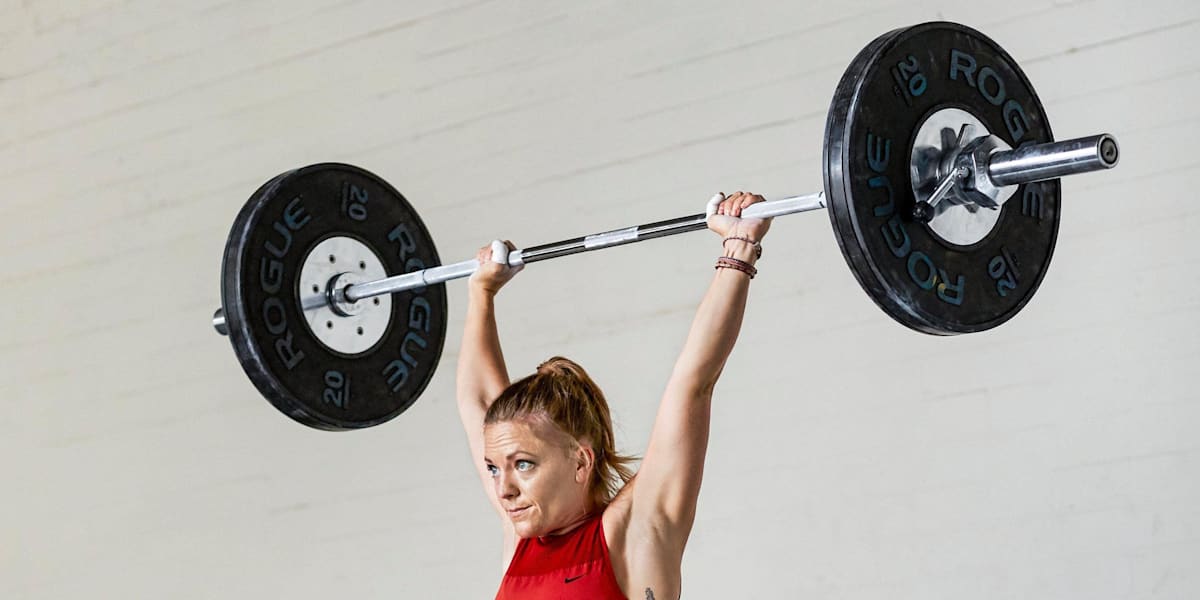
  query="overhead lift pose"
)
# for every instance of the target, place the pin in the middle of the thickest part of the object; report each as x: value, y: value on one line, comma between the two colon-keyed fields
x: 577, y: 521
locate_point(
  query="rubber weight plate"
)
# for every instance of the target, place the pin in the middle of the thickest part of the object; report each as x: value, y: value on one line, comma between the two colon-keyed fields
x: 260, y: 292
x: 885, y: 95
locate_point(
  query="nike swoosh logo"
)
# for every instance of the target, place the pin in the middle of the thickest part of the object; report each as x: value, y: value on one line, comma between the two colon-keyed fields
x: 570, y: 579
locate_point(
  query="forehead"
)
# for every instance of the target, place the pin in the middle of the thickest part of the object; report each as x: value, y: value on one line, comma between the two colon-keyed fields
x: 533, y: 436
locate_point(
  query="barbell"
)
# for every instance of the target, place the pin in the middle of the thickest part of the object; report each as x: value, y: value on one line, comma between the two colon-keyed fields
x: 940, y: 177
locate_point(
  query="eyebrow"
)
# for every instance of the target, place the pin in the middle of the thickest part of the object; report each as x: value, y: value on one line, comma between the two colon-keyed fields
x: 510, y: 456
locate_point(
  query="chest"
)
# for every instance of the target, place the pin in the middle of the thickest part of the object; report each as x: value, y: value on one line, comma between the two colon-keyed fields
x: 575, y: 566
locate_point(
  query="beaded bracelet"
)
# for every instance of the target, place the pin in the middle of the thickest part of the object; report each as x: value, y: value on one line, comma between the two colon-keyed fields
x: 725, y: 262
x: 757, y: 246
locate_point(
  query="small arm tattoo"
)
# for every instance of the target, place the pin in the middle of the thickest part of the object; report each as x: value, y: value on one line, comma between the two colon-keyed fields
x: 649, y: 594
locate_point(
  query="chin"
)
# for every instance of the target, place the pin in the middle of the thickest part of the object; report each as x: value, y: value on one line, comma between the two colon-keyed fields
x: 525, y: 529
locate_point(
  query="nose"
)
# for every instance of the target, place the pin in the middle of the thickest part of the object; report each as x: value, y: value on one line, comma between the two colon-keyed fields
x: 505, y: 487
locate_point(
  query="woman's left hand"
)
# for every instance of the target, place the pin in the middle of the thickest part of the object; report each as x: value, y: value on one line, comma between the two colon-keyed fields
x: 724, y: 216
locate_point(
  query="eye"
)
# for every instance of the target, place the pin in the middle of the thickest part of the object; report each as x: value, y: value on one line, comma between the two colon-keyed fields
x: 491, y: 469
x: 520, y: 464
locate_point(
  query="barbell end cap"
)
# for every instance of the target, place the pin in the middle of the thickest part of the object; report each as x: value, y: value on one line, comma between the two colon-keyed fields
x: 218, y: 321
x: 1110, y: 152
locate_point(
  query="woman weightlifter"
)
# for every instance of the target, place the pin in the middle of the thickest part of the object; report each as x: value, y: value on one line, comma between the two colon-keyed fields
x: 578, y: 522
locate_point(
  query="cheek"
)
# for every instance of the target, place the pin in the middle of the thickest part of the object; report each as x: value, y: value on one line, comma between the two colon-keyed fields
x: 548, y: 484
x: 539, y: 486
x: 533, y: 486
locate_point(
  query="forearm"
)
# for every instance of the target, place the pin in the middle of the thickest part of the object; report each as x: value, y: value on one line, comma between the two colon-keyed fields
x: 717, y: 324
x: 481, y: 374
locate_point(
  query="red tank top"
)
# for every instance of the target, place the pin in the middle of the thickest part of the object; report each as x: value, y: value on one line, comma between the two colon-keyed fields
x: 572, y: 565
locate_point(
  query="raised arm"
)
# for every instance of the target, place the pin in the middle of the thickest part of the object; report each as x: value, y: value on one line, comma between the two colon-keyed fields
x: 669, y: 479
x: 481, y: 374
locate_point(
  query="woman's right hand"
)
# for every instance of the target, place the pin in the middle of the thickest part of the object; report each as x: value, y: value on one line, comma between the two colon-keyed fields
x: 493, y: 271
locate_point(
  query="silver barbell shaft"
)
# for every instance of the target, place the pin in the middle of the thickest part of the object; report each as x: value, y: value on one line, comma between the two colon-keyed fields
x: 1028, y: 164
x: 607, y: 239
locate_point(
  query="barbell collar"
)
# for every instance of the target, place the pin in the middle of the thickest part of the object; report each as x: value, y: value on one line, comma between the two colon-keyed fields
x: 923, y: 211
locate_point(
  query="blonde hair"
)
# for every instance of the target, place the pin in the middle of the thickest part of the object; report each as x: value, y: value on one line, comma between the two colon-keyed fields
x: 563, y: 393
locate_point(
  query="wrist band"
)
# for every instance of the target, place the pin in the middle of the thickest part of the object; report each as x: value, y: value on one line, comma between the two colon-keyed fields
x: 725, y: 262
x: 757, y: 246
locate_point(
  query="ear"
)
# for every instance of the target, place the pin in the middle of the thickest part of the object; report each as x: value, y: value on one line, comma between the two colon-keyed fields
x: 585, y: 461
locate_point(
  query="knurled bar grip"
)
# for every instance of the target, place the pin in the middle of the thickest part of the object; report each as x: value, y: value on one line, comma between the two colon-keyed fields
x: 607, y: 239
x: 1027, y: 164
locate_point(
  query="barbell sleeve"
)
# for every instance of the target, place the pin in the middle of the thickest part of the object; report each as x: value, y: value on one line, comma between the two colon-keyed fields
x: 1038, y: 162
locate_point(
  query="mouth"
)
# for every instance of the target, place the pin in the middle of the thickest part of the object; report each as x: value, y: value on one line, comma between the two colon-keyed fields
x: 514, y: 513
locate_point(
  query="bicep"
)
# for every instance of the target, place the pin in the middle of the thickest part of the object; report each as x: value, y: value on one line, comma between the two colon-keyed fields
x: 673, y: 466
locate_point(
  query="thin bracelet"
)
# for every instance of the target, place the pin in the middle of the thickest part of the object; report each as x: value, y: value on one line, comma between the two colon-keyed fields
x: 734, y: 261
x: 757, y: 246
x: 736, y: 268
x: 725, y: 262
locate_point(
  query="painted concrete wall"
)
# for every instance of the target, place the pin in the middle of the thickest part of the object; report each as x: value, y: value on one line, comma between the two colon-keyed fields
x: 1054, y: 457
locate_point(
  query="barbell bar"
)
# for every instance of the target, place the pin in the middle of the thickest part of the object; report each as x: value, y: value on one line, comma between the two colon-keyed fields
x: 1028, y: 164
x: 940, y: 181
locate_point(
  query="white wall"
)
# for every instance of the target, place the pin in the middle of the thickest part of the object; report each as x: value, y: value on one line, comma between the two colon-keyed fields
x: 1054, y: 457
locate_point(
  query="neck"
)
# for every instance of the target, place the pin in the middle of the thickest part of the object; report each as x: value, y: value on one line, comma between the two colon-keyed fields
x: 574, y: 522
